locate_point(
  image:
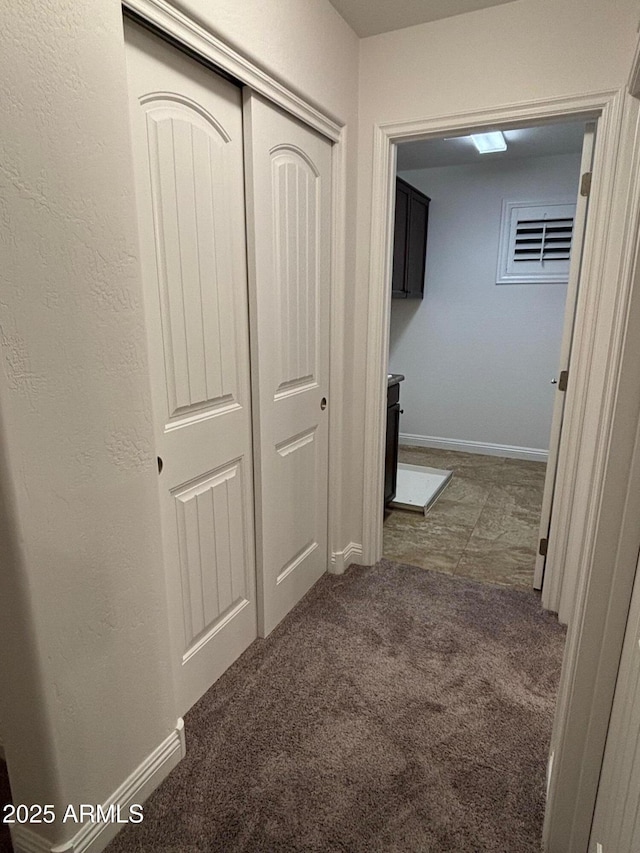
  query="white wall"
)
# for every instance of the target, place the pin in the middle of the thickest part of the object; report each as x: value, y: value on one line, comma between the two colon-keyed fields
x: 83, y: 659
x: 306, y: 45
x: 478, y: 357
x: 493, y: 58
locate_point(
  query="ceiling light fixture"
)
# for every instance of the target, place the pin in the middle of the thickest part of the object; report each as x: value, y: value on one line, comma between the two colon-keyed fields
x: 489, y: 143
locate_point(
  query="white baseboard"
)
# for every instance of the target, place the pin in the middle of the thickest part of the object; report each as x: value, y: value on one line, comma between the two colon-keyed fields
x: 341, y: 560
x: 25, y: 840
x: 533, y: 454
x: 94, y: 837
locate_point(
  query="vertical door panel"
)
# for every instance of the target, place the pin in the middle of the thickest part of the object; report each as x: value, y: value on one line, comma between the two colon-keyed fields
x: 400, y: 234
x: 416, y: 254
x: 188, y: 156
x: 565, y: 354
x: 289, y: 215
x: 295, y: 224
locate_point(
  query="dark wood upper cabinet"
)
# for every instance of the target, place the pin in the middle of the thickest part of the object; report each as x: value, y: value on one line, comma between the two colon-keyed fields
x: 400, y: 239
x: 410, y: 241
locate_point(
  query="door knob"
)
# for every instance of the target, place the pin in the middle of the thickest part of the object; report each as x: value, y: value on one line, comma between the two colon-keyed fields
x: 323, y: 403
x: 554, y: 381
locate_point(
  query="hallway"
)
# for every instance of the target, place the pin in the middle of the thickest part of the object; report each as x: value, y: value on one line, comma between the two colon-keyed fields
x: 395, y: 709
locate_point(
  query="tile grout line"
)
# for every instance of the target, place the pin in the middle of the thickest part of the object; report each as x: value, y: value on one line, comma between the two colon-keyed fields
x: 508, y: 479
x: 464, y: 550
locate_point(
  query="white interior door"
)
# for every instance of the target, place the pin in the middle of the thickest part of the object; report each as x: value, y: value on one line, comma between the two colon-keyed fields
x: 189, y: 170
x: 289, y: 217
x: 565, y: 353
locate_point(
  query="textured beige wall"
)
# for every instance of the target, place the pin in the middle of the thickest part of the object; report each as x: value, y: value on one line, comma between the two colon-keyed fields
x: 84, y: 583
x: 306, y: 45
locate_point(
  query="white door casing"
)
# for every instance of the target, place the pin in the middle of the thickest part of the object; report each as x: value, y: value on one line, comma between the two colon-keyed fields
x: 616, y: 823
x: 188, y: 159
x: 579, y: 223
x: 289, y: 220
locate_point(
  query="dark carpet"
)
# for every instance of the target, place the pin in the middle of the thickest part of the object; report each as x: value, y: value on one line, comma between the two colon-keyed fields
x: 394, y: 710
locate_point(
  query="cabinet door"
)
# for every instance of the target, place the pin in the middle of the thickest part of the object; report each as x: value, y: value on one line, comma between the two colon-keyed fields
x: 391, y: 452
x: 400, y: 241
x: 417, y: 245
x: 391, y: 449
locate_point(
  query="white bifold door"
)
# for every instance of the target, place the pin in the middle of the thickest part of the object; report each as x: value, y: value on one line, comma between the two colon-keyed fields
x: 197, y: 148
x: 289, y: 216
x: 189, y: 171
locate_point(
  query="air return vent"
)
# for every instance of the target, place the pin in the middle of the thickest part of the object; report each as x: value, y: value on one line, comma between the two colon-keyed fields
x: 535, y: 242
x: 543, y: 240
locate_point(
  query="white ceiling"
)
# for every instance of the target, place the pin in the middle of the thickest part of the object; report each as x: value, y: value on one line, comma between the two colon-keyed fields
x: 370, y: 17
x: 525, y: 142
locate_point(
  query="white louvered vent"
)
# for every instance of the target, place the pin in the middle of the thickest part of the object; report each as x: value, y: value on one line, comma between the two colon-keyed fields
x: 543, y: 239
x: 535, y: 242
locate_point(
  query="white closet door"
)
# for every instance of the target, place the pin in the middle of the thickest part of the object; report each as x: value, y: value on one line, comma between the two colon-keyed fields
x: 188, y: 155
x: 289, y: 217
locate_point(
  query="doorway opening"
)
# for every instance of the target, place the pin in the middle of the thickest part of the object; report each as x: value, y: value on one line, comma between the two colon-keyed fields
x: 486, y: 262
x: 480, y: 332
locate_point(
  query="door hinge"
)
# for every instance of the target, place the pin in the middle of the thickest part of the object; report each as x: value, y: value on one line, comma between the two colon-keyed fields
x: 585, y: 184
x: 543, y: 547
x: 563, y: 380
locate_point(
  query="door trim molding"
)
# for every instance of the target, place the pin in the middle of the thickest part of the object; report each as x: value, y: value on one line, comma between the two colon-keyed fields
x: 607, y: 108
x: 166, y: 18
x: 162, y: 17
x: 634, y: 76
x: 336, y: 344
x: 341, y: 560
x: 609, y: 553
x: 593, y: 542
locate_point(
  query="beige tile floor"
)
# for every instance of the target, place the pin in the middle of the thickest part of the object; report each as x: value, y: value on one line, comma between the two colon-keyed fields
x: 484, y: 525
